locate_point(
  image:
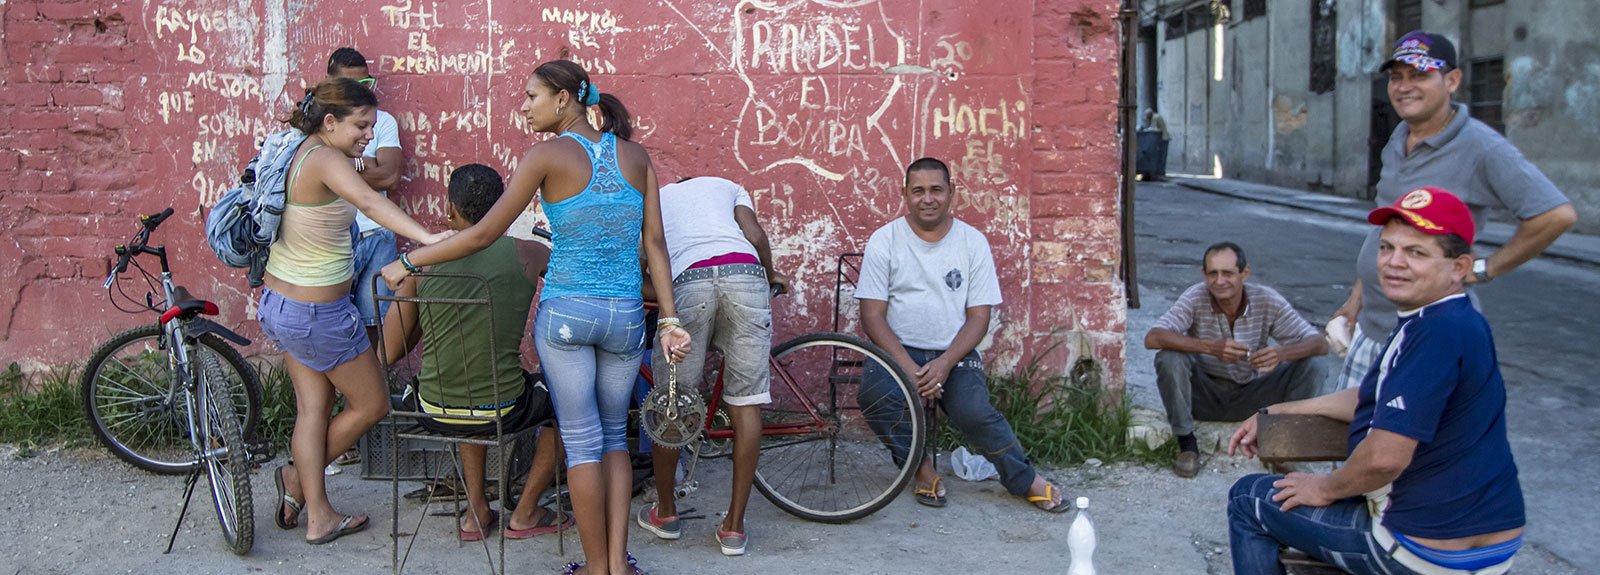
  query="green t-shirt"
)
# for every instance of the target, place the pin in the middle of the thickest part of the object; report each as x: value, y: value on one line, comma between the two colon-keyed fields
x: 459, y: 367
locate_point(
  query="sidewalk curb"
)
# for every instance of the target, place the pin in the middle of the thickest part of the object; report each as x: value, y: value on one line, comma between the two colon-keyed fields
x: 1570, y: 246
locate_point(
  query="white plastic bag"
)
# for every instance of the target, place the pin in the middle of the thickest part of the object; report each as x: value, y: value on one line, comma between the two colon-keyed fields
x: 971, y: 466
x: 1339, y: 334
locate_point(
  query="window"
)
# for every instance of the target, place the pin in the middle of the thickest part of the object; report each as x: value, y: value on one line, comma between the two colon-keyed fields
x: 1486, y: 86
x: 1324, y: 45
x: 1253, y: 8
x: 1407, y: 16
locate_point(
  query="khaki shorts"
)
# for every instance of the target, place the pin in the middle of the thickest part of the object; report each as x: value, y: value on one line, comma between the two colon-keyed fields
x: 726, y: 308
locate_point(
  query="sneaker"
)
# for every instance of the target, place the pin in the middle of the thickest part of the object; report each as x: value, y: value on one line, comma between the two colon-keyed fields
x: 663, y: 527
x: 732, y: 542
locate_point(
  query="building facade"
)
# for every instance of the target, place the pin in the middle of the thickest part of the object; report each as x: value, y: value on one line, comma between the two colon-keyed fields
x: 1286, y: 92
x: 110, y: 109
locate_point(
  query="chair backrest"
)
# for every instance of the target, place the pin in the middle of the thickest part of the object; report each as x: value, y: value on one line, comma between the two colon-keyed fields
x: 1282, y: 438
x: 449, y: 342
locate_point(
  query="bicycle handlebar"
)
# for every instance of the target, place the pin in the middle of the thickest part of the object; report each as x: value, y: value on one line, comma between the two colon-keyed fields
x: 151, y: 221
x: 126, y: 252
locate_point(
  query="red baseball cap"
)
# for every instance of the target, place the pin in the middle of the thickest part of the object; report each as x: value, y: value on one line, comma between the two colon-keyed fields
x: 1432, y: 211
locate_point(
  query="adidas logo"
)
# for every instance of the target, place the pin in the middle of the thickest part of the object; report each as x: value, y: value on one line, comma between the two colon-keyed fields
x: 1399, y: 402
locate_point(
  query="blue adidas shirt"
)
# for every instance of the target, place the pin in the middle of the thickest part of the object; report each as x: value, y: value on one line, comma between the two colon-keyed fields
x: 1438, y: 382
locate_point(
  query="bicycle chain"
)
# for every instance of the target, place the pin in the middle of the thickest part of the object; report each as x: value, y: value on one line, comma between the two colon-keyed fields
x: 673, y: 417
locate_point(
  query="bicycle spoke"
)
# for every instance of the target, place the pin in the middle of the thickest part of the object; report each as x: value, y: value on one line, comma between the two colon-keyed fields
x: 135, y: 373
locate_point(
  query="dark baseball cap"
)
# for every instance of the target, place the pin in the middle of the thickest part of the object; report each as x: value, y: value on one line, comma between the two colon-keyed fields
x: 1424, y: 51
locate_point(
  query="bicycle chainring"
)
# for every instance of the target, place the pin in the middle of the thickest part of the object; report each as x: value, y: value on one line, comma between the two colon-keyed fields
x: 669, y: 427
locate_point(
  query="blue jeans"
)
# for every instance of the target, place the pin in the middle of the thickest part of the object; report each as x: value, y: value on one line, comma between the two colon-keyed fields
x: 589, y: 351
x: 965, y: 400
x: 1340, y: 534
x: 371, y: 254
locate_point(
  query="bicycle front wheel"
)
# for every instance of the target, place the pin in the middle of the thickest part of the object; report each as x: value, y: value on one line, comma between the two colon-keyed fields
x: 832, y: 449
x: 135, y: 406
x: 226, y: 457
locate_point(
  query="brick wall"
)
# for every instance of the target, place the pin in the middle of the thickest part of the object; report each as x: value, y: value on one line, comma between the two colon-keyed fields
x: 111, y: 109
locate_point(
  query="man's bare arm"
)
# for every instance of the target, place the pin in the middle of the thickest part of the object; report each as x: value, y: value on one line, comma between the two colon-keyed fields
x: 1533, y: 236
x: 383, y: 172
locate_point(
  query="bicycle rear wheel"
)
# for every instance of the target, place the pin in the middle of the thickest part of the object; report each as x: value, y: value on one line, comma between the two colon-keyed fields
x: 842, y: 470
x: 135, y: 407
x: 228, y: 461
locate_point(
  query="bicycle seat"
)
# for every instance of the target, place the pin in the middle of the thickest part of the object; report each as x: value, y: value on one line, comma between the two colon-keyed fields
x: 185, y: 304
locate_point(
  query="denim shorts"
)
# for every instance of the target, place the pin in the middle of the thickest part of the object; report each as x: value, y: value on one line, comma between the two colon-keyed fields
x: 320, y: 336
x: 725, y: 307
x: 372, y: 253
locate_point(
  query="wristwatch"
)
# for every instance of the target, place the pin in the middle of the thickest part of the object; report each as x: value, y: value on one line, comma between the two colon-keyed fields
x: 1480, y: 270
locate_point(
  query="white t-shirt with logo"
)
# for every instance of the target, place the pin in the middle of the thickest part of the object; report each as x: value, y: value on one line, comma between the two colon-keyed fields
x: 697, y: 220
x: 928, y: 286
x: 385, y: 134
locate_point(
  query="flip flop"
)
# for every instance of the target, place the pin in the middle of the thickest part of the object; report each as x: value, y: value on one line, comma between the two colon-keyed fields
x: 494, y: 519
x: 932, y: 496
x: 1051, y: 503
x: 350, y: 456
x: 285, y: 500
x: 345, y: 528
x: 547, y: 523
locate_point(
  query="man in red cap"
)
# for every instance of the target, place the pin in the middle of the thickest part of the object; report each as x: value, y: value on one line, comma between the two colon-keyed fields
x: 1430, y: 485
x: 1438, y: 144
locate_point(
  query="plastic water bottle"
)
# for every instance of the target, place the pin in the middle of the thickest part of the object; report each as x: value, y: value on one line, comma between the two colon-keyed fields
x: 1080, y: 540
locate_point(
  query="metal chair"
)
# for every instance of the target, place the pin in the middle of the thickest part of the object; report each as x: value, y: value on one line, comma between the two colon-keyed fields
x: 503, y: 440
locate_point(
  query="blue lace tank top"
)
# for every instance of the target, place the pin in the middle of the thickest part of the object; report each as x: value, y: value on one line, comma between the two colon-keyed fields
x: 596, y: 233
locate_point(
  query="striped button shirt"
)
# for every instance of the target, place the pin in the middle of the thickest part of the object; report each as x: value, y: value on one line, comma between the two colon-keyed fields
x: 1266, y: 314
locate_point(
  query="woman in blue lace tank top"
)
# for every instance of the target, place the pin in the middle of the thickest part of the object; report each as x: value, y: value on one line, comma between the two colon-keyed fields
x: 599, y: 192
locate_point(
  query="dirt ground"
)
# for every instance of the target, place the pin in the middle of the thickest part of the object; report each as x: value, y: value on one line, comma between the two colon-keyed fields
x: 82, y: 511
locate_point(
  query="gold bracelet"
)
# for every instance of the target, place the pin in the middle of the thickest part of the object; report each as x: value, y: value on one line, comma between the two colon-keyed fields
x: 668, y: 322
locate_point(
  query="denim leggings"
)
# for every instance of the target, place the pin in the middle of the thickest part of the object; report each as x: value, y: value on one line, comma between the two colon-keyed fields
x: 589, y: 351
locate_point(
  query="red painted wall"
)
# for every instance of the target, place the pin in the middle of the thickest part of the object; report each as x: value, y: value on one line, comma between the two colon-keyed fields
x: 110, y: 109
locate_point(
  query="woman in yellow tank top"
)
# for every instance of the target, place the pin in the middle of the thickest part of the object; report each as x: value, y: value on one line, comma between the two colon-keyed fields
x: 306, y: 306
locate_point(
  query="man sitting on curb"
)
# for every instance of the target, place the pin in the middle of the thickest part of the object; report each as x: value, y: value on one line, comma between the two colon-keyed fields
x: 1427, y: 443
x: 926, y: 290
x: 1215, y: 363
x: 454, y: 365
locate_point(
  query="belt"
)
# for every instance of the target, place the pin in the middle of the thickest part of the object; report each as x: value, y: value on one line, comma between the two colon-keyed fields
x: 369, y: 233
x: 1403, y: 556
x: 719, y: 271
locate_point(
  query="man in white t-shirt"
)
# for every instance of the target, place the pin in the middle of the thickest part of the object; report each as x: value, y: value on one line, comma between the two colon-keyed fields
x: 380, y: 166
x: 721, y: 270
x: 927, y: 290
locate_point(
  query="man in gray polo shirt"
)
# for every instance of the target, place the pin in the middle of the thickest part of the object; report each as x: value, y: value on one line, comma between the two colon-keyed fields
x: 1439, y: 145
x: 1215, y: 362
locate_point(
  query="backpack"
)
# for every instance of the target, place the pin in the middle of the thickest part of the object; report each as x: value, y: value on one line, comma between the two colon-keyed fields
x: 243, y: 224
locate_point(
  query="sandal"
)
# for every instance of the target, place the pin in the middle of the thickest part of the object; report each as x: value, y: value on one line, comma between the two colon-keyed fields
x: 345, y: 528
x: 1049, y: 502
x: 932, y: 496
x: 573, y: 567
x: 483, y: 527
x: 285, y: 500
x: 547, y: 523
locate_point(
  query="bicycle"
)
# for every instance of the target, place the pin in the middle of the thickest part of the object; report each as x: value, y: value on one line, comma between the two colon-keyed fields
x: 174, y: 396
x: 821, y: 458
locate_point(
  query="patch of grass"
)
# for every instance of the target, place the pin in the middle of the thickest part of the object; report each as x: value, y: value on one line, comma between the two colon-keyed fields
x: 277, y: 404
x: 51, y: 413
x: 1061, y: 419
